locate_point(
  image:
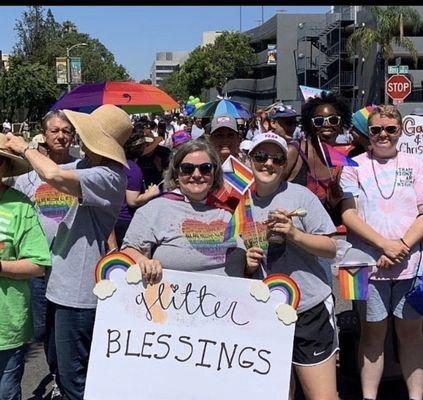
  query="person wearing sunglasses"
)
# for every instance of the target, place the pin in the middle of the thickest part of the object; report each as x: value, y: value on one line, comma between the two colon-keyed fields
x: 295, y: 253
x: 323, y: 119
x: 179, y: 230
x: 382, y: 205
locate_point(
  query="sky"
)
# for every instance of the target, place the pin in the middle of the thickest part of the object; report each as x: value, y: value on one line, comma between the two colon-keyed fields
x: 134, y: 34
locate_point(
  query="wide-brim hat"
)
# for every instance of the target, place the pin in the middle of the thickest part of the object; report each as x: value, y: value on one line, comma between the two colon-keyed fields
x: 18, y: 165
x: 104, y: 131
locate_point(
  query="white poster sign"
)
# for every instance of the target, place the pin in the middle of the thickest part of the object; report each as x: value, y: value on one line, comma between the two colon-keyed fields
x: 411, y: 140
x: 193, y: 336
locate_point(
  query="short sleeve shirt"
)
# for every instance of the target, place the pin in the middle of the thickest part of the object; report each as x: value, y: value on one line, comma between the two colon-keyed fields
x: 287, y: 258
x: 21, y: 237
x: 400, y: 181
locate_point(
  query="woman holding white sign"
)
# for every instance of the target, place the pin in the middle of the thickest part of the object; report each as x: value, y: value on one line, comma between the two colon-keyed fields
x: 283, y: 239
x: 178, y: 230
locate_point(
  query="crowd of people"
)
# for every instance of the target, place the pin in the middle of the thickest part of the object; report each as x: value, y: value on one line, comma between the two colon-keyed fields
x: 139, y: 179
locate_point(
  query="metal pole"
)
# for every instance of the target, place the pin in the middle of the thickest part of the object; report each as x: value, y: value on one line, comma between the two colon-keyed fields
x: 68, y: 68
x: 262, y: 15
x: 240, y: 18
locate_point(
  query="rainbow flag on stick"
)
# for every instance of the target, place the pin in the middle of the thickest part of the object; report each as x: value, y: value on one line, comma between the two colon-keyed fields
x: 237, y: 174
x: 240, y: 217
x: 354, y: 283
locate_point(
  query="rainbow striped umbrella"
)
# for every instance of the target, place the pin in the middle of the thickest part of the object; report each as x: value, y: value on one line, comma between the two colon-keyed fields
x: 133, y: 97
x: 222, y: 107
x: 359, y: 118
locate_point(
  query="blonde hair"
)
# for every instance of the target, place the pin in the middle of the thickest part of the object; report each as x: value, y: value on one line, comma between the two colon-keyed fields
x: 386, y: 110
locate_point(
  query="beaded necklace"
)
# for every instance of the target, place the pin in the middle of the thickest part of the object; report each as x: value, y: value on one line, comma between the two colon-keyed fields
x: 377, y: 182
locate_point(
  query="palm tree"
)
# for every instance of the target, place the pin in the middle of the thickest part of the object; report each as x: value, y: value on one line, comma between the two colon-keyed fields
x: 390, y: 22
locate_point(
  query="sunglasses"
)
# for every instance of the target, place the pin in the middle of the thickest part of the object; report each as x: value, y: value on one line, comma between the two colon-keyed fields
x: 261, y: 157
x: 331, y: 120
x: 189, y: 168
x: 376, y: 130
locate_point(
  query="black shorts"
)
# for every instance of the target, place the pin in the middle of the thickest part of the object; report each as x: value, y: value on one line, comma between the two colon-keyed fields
x: 316, y: 339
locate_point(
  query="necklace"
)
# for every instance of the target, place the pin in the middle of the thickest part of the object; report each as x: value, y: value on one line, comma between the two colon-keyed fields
x: 377, y: 182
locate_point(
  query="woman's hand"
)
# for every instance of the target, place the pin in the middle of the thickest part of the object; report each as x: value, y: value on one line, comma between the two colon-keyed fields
x: 255, y: 256
x: 281, y: 223
x: 384, y: 262
x: 151, y: 270
x: 17, y: 144
x: 395, y: 250
x: 153, y: 191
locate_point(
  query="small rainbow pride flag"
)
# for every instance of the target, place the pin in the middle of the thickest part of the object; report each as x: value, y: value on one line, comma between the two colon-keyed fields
x: 240, y: 217
x: 335, y: 158
x: 237, y: 174
x: 354, y: 283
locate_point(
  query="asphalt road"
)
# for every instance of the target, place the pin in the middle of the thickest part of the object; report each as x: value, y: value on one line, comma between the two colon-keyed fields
x: 36, y: 383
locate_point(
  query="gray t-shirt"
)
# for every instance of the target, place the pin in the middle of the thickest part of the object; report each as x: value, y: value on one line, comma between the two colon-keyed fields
x: 50, y: 204
x: 186, y: 236
x: 287, y: 258
x: 82, y: 234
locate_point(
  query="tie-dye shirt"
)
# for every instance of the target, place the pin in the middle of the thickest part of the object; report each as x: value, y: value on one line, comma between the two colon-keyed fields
x: 186, y: 236
x: 390, y: 217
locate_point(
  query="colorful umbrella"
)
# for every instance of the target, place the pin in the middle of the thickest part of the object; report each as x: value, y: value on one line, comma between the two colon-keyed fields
x: 359, y: 118
x: 131, y: 96
x: 222, y: 107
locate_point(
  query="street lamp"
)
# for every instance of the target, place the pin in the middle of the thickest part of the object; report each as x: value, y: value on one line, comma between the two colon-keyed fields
x: 68, y: 49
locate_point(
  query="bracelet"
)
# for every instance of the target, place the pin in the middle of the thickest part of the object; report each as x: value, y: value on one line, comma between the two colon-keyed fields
x: 24, y: 152
x: 405, y: 244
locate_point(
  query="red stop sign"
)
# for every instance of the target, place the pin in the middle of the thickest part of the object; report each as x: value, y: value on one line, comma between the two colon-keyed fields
x: 398, y: 87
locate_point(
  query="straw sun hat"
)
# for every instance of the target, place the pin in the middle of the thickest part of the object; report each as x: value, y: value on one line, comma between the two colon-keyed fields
x: 18, y: 165
x: 104, y: 131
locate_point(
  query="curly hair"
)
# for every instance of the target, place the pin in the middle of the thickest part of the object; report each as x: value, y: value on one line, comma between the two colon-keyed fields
x: 171, y: 174
x: 388, y: 111
x: 338, y: 102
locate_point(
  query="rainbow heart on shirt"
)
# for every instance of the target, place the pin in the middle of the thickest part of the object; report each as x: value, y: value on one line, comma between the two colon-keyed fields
x: 52, y: 203
x: 207, y: 238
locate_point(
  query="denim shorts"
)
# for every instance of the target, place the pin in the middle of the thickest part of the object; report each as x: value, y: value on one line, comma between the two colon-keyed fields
x: 387, y: 298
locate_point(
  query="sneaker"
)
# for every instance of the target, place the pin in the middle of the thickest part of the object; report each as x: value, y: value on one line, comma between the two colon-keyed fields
x: 55, y: 393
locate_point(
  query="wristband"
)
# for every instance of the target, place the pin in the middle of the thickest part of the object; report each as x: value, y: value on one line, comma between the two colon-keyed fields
x: 405, y: 244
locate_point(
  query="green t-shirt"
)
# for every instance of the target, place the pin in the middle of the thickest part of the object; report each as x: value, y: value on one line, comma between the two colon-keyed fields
x: 21, y: 237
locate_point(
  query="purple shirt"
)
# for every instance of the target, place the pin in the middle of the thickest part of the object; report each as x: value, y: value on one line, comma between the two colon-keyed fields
x: 135, y: 183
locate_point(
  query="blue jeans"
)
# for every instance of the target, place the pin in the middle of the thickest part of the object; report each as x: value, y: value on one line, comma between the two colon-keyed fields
x: 11, y: 371
x: 38, y: 306
x: 73, y: 329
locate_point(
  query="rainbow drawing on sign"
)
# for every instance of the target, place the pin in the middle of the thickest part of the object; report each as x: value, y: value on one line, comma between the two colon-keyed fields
x: 354, y: 283
x: 237, y: 174
x: 105, y: 287
x: 285, y: 284
x: 110, y: 262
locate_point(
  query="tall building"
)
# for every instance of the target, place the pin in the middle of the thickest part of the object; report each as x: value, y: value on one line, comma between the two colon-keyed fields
x: 209, y: 37
x: 311, y: 50
x: 165, y: 63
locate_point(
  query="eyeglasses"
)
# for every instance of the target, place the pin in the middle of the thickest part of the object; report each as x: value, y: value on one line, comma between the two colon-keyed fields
x: 261, y: 157
x: 189, y: 168
x: 376, y: 130
x: 331, y: 120
x: 66, y: 132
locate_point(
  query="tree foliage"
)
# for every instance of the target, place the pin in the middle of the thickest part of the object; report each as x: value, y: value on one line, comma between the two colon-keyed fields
x: 40, y: 40
x: 389, y: 22
x: 230, y: 57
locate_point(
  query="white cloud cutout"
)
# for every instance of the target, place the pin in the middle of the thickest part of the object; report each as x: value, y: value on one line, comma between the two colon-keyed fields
x: 260, y: 291
x: 286, y: 313
x: 133, y: 274
x: 105, y: 288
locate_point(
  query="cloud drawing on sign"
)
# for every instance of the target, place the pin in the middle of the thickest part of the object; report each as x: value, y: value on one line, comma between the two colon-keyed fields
x: 260, y: 291
x: 104, y: 289
x: 133, y: 274
x: 286, y: 313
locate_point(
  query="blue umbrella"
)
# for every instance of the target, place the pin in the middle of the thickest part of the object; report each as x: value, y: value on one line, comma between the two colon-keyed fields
x: 222, y: 107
